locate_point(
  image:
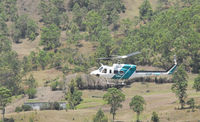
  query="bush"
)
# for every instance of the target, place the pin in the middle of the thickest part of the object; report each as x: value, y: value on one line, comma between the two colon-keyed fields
x: 61, y: 85
x: 191, y: 103
x: 54, y: 85
x: 65, y: 69
x: 155, y: 117
x: 27, y: 107
x: 56, y: 106
x: 100, y: 117
x: 18, y: 109
x: 23, y: 108
x: 79, y: 82
x: 32, y: 36
x: 31, y: 92
x: 9, y: 120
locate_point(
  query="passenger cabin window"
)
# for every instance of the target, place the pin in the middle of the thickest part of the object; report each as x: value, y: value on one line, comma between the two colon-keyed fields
x: 115, y: 71
x: 110, y: 71
x: 104, y: 71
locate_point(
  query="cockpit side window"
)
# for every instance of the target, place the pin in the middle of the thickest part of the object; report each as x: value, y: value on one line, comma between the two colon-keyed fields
x: 100, y: 69
x: 104, y: 70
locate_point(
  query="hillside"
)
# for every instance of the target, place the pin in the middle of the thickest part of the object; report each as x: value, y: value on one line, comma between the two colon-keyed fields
x: 49, y: 47
x: 159, y: 99
x: 30, y: 8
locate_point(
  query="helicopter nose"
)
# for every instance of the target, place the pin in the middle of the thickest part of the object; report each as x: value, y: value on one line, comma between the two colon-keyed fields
x: 92, y: 73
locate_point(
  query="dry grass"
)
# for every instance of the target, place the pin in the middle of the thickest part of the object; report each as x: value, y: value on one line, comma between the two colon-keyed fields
x: 86, y: 48
x: 159, y: 99
x: 24, y: 48
x: 43, y: 75
x: 132, y: 8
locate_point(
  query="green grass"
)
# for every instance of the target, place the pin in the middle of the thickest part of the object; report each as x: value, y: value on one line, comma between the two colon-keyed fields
x: 13, y: 98
x: 32, y: 101
x: 91, y: 102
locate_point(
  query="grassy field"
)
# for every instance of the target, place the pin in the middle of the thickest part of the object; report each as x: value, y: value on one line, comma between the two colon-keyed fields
x: 158, y: 97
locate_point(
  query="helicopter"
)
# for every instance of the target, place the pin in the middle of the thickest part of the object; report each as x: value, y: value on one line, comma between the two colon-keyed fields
x: 127, y: 71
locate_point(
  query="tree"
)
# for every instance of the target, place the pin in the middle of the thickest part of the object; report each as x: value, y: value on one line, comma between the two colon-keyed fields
x: 50, y: 37
x: 24, y: 27
x: 54, y: 85
x: 5, y: 98
x: 31, y: 92
x: 31, y: 29
x: 53, y: 12
x: 191, y: 103
x: 43, y: 59
x: 73, y: 35
x: 10, y: 9
x: 73, y: 95
x: 31, y: 82
x: 196, y: 85
x: 155, y: 117
x: 145, y: 10
x: 114, y: 97
x: 93, y: 24
x: 189, y: 2
x: 136, y: 104
x: 180, y: 84
x: 106, y: 43
x: 126, y: 25
x: 10, y: 71
x: 100, y: 117
x: 26, y: 65
x: 77, y: 15
x: 110, y: 10
x: 3, y: 27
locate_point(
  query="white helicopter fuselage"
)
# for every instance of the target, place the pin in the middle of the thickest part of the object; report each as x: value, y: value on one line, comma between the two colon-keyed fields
x: 127, y: 71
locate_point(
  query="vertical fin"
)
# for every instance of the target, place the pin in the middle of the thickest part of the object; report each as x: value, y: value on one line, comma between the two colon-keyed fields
x: 174, y: 66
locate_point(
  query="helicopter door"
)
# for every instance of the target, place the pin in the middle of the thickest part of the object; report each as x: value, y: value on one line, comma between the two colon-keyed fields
x: 116, y: 72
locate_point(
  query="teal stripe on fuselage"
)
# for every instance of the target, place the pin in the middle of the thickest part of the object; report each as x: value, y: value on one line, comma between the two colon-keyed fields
x: 128, y: 71
x: 172, y: 70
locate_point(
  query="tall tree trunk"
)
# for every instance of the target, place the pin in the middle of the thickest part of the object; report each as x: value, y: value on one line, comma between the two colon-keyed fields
x: 182, y: 103
x: 3, y: 113
x: 138, y: 116
x: 113, y: 117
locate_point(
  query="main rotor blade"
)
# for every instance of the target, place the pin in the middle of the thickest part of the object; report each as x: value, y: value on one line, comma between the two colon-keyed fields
x: 104, y: 58
x: 126, y: 56
x: 119, y: 57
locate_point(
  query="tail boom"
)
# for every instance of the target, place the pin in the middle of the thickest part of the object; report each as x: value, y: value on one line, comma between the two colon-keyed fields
x: 154, y: 73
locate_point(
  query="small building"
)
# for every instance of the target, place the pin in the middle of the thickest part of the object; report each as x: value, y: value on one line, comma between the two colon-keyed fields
x: 45, y: 105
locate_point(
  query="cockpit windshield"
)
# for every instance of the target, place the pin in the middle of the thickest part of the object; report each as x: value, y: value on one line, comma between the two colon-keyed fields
x: 100, y: 69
